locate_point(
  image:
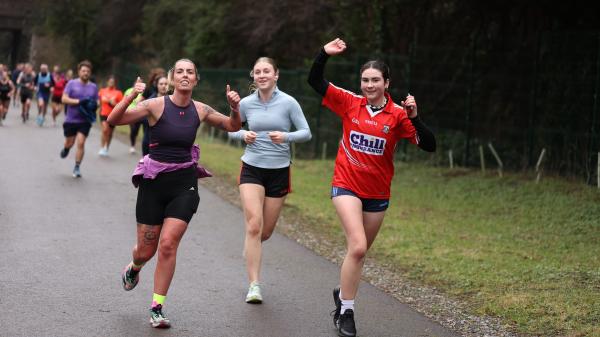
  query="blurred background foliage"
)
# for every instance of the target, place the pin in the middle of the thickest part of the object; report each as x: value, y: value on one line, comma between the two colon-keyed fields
x: 521, y: 75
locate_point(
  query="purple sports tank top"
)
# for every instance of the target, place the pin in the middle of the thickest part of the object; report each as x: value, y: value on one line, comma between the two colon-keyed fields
x: 172, y: 137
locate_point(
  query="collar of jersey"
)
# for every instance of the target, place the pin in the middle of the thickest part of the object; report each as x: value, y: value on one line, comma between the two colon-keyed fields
x: 386, y: 108
x: 275, y: 93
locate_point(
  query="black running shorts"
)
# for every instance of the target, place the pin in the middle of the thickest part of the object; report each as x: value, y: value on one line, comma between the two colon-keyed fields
x: 71, y: 129
x: 275, y: 181
x: 25, y: 95
x: 169, y: 195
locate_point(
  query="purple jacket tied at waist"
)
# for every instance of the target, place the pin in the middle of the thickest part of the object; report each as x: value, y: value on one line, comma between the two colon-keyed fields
x: 149, y: 168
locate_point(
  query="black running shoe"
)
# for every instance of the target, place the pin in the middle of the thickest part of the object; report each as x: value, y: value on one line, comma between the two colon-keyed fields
x: 338, y: 305
x: 346, y: 327
x: 64, y: 153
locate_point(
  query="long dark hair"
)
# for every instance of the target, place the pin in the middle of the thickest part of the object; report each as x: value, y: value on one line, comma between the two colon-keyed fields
x: 379, y: 65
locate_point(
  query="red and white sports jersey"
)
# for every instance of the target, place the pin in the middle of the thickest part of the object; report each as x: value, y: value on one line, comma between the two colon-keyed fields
x: 364, y: 162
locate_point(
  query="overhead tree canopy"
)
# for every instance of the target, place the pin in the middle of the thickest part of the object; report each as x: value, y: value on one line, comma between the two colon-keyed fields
x: 475, y: 64
x: 100, y: 31
x: 233, y: 33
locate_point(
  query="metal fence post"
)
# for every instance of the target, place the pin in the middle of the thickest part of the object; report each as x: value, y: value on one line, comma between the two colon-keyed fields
x: 481, y: 159
x: 538, y: 166
x: 498, y: 160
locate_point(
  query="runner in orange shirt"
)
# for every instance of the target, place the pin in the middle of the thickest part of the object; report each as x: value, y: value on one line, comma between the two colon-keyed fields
x: 109, y: 97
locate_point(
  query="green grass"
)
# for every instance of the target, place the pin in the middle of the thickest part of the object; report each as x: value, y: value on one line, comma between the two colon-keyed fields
x: 528, y: 253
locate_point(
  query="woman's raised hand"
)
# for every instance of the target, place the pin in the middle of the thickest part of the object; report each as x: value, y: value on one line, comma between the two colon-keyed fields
x: 335, y: 47
x: 139, y: 86
x: 410, y: 104
x: 233, y: 98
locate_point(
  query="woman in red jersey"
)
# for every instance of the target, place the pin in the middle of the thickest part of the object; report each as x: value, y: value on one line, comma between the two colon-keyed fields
x: 364, y: 167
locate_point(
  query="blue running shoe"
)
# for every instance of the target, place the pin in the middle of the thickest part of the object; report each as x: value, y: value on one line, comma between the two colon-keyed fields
x: 76, y: 172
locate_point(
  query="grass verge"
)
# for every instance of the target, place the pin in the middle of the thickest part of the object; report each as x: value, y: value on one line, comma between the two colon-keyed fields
x: 507, y: 247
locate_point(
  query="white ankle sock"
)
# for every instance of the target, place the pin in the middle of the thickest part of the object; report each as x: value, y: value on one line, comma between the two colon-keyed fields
x: 346, y: 304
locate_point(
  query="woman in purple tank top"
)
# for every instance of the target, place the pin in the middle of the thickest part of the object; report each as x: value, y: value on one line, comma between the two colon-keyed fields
x: 168, y: 175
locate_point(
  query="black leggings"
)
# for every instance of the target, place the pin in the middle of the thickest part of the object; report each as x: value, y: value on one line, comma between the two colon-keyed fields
x: 133, y: 133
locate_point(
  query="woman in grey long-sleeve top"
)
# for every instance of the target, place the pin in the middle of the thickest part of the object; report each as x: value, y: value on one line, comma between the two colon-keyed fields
x: 265, y: 175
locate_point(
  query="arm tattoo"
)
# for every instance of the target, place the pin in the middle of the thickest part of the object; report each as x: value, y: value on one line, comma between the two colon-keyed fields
x: 208, y: 110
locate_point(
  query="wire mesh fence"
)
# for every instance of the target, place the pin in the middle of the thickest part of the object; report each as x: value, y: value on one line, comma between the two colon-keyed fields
x: 520, y: 101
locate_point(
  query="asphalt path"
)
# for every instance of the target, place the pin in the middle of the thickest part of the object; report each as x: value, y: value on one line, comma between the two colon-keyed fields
x: 64, y: 242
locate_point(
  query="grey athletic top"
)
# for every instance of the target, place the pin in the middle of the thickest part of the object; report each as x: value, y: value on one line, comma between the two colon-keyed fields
x: 278, y: 114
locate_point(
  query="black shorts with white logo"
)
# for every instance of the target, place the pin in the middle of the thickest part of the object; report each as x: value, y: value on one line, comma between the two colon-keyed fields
x: 169, y: 195
x: 275, y: 181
